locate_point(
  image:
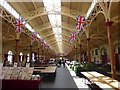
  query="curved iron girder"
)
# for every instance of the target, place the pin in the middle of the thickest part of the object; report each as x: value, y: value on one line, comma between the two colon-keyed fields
x: 55, y: 42
x: 54, y: 34
x: 12, y: 20
x: 51, y: 40
x: 99, y: 8
x: 64, y: 46
x: 42, y: 11
x: 96, y: 10
x: 64, y: 25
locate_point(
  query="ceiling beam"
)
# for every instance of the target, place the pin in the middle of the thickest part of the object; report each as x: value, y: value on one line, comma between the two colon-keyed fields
x: 54, y: 34
x: 55, y: 42
x: 50, y: 40
x: 42, y: 11
x: 65, y: 25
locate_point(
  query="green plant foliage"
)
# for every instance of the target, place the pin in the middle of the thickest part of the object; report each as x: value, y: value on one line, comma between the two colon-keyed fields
x: 84, y: 67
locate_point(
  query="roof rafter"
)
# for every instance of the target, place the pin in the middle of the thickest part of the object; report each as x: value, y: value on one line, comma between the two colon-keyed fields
x: 55, y: 42
x: 41, y: 11
x: 51, y: 40
x: 65, y: 25
x: 54, y: 34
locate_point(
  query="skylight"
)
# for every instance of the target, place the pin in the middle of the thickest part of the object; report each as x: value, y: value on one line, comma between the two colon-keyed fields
x: 39, y: 36
x: 29, y: 27
x: 9, y: 8
x: 91, y: 8
x: 57, y: 30
x: 58, y: 36
x: 13, y: 12
x: 60, y: 40
x: 52, y: 7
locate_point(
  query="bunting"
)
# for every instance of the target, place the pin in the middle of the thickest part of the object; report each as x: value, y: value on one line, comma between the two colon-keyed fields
x: 46, y: 46
x: 72, y: 37
x: 19, y: 24
x: 34, y: 36
x: 42, y: 42
x: 80, y: 20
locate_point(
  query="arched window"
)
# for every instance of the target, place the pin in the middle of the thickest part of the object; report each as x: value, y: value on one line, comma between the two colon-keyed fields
x: 33, y: 57
x: 96, y: 51
x: 10, y: 57
x: 103, y: 51
x: 21, y: 56
x: 93, y: 52
x: 28, y: 57
x: 118, y: 49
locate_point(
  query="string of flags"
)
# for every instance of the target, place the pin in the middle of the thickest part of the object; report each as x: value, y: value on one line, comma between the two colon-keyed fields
x: 34, y: 36
x: 19, y: 24
x: 72, y: 37
x: 43, y: 43
x: 46, y: 46
x: 19, y: 27
x: 80, y: 20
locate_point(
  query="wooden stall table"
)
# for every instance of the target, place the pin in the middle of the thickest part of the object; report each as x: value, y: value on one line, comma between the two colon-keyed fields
x: 37, y: 70
x: 102, y: 81
x: 46, y: 65
x: 48, y: 71
x: 11, y: 84
x: 39, y: 67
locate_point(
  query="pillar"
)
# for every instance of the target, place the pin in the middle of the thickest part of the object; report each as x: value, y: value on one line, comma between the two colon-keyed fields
x: 5, y: 59
x: 80, y: 53
x: 38, y: 54
x: 30, y: 54
x: 76, y: 53
x: 111, y: 49
x: 1, y: 53
x: 44, y: 53
x: 47, y: 55
x: 16, y: 51
x: 88, y: 50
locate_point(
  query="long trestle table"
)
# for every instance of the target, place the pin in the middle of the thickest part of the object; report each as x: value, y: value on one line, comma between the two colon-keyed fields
x: 46, y: 71
x: 102, y: 81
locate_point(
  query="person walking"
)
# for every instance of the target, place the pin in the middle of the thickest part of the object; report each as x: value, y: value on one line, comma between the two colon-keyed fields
x: 63, y: 63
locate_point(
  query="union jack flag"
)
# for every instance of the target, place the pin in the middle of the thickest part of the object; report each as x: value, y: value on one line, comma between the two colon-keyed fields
x: 42, y: 42
x: 73, y: 37
x: 19, y: 24
x: 34, y: 36
x: 46, y: 46
x: 80, y: 20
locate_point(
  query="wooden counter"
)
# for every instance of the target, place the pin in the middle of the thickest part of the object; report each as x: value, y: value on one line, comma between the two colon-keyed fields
x: 101, y: 80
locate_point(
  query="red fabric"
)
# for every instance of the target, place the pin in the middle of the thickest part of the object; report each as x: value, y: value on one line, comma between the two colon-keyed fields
x: 20, y: 84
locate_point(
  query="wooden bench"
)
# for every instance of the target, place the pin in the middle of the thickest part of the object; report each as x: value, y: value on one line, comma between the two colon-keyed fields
x: 48, y: 71
x: 101, y: 80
